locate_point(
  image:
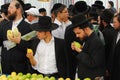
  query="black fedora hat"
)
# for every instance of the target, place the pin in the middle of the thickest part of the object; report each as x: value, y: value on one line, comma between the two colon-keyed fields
x: 81, y: 21
x: 80, y: 7
x: 98, y: 4
x: 44, y: 24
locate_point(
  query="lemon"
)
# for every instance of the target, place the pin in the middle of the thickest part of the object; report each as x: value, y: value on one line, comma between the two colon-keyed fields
x: 29, y: 50
x: 13, y: 74
x: 67, y: 79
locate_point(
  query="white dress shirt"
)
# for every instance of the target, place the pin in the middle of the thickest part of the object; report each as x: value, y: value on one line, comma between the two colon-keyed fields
x: 16, y: 23
x: 60, y: 31
x: 45, y: 57
x: 118, y: 37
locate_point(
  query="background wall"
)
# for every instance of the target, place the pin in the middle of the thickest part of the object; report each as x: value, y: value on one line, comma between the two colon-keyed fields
x: 48, y: 5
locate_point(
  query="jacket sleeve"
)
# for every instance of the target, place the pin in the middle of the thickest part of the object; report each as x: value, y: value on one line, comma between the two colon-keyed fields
x: 93, y: 56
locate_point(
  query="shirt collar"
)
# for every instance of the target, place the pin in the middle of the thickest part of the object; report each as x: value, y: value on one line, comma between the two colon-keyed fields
x: 17, y: 22
x: 57, y: 22
x: 52, y: 40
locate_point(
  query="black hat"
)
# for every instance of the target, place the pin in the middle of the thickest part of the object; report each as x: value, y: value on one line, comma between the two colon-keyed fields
x: 27, y: 6
x: 93, y: 13
x: 107, y: 15
x: 80, y: 7
x: 80, y: 20
x: 98, y: 4
x: 44, y: 24
x: 4, y: 8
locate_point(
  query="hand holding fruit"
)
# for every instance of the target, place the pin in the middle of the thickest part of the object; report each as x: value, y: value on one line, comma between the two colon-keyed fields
x: 76, y: 46
x: 14, y: 36
x: 29, y: 53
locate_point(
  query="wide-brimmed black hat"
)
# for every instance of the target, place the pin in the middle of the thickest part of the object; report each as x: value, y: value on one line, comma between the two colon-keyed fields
x: 81, y: 21
x: 107, y: 15
x: 80, y: 7
x: 44, y: 24
x: 98, y: 4
x: 93, y: 13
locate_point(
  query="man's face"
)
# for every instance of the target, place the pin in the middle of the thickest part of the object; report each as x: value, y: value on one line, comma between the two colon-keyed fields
x: 64, y: 14
x: 41, y: 35
x: 12, y: 11
x: 80, y: 33
x: 116, y: 23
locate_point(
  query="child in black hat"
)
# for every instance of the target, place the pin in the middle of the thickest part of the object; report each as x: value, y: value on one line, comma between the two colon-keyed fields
x: 49, y: 56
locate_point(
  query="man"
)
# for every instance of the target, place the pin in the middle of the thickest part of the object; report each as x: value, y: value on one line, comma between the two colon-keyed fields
x: 50, y: 57
x: 61, y: 19
x: 32, y: 15
x: 13, y: 56
x: 114, y: 60
x: 91, y: 57
x: 4, y: 13
x: 80, y: 7
x: 108, y: 32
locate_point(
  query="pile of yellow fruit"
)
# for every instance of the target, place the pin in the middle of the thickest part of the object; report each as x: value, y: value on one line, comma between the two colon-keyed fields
x: 34, y: 76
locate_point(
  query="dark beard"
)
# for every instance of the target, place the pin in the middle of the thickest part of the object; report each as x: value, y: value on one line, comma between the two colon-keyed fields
x: 12, y: 17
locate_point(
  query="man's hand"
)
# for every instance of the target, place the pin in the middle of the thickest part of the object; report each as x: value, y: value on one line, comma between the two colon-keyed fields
x: 15, y: 39
x: 29, y: 53
x: 74, y: 47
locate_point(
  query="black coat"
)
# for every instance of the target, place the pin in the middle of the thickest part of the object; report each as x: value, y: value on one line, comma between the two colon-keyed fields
x: 14, y: 59
x: 60, y: 54
x: 92, y: 58
x: 108, y: 33
x: 114, y: 64
x: 69, y: 38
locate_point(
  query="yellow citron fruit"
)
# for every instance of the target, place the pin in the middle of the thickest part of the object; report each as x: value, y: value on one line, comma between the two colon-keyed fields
x: 67, y: 79
x: 87, y: 79
x: 77, y: 44
x: 9, y: 33
x: 60, y: 78
x: 15, y: 32
x: 29, y: 50
x: 13, y: 74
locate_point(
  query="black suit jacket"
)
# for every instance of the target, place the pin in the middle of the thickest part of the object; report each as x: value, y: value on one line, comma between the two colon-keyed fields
x: 92, y: 58
x: 60, y: 54
x: 114, y: 60
x: 14, y: 59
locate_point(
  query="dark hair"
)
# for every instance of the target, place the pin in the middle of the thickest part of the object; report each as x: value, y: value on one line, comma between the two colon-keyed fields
x: 4, y: 8
x: 60, y: 9
x: 118, y: 17
x: 55, y: 7
x: 111, y: 3
x: 19, y: 5
x: 42, y: 10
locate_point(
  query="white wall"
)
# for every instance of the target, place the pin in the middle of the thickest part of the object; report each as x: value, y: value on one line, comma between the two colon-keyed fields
x: 39, y: 5
x: 1, y: 3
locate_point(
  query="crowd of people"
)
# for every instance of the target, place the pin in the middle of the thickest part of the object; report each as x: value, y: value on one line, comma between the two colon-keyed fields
x: 54, y: 52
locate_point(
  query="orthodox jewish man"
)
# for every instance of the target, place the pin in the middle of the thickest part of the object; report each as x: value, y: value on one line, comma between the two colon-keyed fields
x: 91, y: 56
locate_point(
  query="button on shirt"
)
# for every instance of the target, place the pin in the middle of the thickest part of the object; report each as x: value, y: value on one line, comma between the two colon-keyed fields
x: 60, y: 31
x: 45, y: 57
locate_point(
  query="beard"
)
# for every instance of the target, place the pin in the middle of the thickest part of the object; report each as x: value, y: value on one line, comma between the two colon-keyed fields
x: 12, y: 16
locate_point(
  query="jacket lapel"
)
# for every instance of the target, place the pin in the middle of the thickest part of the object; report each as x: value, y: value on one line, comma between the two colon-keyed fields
x: 56, y: 49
